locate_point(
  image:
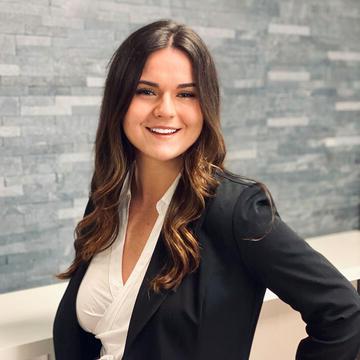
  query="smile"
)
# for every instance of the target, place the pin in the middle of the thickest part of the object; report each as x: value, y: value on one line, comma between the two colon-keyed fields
x: 161, y: 131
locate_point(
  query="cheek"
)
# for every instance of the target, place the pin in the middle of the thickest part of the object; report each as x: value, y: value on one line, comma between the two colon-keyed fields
x: 126, y: 125
x: 200, y: 123
x: 196, y: 122
x: 190, y: 112
x: 198, y: 118
x: 132, y: 119
x: 198, y: 128
x: 130, y: 128
x: 137, y: 111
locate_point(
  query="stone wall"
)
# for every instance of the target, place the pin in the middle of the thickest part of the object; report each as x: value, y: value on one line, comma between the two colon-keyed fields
x: 290, y: 85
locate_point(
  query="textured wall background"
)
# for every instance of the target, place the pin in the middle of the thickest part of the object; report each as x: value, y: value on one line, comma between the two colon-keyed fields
x: 290, y: 82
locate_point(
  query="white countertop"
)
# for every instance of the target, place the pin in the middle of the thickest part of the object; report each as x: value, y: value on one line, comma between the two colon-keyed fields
x: 27, y: 315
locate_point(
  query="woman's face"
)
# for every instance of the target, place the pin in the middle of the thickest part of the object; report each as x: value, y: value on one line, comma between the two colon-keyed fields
x: 164, y: 118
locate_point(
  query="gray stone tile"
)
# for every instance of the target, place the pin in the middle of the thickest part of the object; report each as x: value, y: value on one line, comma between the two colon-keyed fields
x: 290, y: 92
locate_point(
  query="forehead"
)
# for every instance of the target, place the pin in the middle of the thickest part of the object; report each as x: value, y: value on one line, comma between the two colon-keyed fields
x: 168, y: 63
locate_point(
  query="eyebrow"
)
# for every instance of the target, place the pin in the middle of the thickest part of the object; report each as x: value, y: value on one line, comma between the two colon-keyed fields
x: 156, y: 85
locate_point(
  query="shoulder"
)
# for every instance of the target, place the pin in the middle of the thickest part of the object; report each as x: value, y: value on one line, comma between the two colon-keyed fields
x: 249, y: 202
x: 243, y: 190
x: 231, y: 184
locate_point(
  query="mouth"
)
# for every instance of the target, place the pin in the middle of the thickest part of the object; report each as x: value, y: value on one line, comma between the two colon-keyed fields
x: 162, y: 132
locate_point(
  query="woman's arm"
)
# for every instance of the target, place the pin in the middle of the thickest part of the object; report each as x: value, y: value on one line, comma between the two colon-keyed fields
x: 301, y: 277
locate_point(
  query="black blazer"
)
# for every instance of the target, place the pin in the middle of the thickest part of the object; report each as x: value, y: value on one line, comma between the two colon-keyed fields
x: 214, y: 312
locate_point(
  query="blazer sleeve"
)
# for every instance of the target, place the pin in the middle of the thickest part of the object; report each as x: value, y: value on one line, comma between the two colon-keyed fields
x: 303, y: 278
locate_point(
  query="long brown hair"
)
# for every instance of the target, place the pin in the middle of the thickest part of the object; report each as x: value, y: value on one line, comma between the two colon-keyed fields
x: 114, y: 154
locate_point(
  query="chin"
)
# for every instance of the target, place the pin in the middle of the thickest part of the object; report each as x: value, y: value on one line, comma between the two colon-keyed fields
x: 167, y: 157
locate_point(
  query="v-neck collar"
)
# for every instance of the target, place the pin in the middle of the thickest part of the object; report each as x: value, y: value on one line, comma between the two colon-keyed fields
x: 117, y: 249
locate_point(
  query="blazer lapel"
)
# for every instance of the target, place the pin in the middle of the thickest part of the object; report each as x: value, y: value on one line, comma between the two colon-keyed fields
x: 147, y: 302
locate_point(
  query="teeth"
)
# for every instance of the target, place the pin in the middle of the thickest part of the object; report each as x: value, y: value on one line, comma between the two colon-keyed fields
x: 163, y: 131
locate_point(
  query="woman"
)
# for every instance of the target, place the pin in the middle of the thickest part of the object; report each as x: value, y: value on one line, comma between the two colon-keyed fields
x: 174, y: 253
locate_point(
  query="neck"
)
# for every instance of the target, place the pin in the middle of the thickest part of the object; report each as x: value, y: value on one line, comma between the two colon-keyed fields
x: 152, y: 178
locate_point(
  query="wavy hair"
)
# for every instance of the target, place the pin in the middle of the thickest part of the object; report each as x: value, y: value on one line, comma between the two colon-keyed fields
x: 114, y: 154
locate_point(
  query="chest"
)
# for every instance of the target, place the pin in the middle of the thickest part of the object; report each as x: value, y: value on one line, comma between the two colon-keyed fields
x: 213, y: 308
x: 140, y: 224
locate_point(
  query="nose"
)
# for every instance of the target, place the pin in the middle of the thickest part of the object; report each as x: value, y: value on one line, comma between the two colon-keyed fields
x: 165, y: 107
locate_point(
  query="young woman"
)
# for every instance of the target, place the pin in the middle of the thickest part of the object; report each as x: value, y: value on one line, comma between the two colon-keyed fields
x: 174, y: 253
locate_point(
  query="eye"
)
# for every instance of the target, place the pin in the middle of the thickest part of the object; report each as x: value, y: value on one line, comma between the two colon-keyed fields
x: 187, y: 95
x: 147, y: 92
x: 143, y: 91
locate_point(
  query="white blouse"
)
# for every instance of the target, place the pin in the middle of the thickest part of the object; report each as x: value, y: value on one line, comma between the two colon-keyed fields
x: 104, y: 304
